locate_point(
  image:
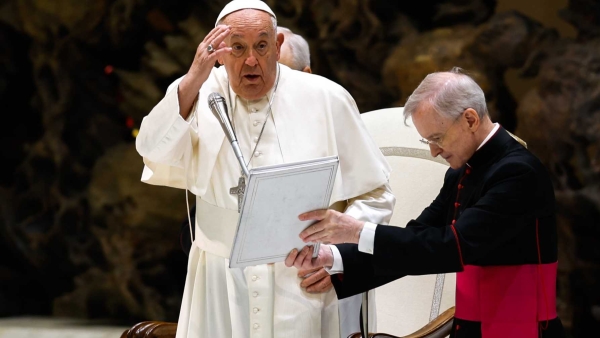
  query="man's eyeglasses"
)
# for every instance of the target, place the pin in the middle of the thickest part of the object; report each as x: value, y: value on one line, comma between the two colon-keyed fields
x: 438, y: 140
x: 435, y: 141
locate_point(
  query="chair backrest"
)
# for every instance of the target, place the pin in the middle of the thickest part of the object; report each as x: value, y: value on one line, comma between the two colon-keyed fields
x: 409, y: 303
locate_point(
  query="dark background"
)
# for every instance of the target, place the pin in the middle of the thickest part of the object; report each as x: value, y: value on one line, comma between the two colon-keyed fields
x: 80, y: 236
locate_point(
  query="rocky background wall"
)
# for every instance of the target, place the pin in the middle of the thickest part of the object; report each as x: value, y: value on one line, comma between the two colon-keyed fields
x: 81, y: 236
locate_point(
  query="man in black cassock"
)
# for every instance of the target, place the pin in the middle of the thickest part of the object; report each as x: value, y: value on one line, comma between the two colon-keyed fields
x: 493, y: 223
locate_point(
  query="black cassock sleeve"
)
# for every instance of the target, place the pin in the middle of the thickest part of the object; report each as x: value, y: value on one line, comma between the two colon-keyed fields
x: 425, y: 248
x: 359, y: 276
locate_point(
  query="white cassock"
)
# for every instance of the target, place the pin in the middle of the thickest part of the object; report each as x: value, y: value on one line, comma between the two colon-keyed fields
x: 311, y: 117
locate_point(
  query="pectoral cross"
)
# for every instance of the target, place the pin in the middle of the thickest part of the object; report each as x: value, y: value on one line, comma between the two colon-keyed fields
x: 239, y: 191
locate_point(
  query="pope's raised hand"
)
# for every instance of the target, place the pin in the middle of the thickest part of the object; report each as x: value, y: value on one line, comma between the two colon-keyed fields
x: 303, y: 259
x: 332, y: 227
x: 208, y: 52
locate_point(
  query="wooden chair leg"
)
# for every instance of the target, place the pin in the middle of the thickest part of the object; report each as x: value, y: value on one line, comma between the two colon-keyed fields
x: 440, y: 327
x: 151, y: 329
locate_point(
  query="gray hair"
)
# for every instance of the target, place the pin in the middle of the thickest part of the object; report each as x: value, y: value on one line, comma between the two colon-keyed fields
x: 298, y: 46
x: 273, y: 20
x: 448, y: 93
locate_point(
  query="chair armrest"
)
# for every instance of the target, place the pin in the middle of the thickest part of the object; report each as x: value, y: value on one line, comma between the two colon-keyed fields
x: 438, y: 328
x: 151, y: 329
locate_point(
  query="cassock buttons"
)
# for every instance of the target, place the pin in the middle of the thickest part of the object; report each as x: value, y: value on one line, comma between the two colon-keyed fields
x: 460, y: 186
x: 255, y: 123
x: 255, y: 140
x: 253, y: 110
x: 254, y: 294
x: 256, y: 326
x: 456, y: 205
x: 254, y: 278
x: 257, y: 154
x: 255, y: 310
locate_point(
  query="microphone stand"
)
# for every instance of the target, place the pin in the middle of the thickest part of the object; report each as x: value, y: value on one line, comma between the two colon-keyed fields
x: 218, y: 106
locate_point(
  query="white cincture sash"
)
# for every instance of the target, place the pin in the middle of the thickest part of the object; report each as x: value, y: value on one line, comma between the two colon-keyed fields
x: 215, y: 228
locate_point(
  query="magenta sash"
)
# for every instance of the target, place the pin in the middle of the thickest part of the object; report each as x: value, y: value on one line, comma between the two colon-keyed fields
x: 509, y: 301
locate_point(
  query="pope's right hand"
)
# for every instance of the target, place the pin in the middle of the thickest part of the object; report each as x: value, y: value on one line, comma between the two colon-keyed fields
x: 203, y: 63
x: 205, y: 59
x: 303, y: 259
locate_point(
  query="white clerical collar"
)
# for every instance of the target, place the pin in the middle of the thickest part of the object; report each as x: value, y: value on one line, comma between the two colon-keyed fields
x: 234, y: 96
x: 496, y: 127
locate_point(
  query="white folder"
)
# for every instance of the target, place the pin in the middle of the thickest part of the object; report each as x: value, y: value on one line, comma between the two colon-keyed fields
x: 268, y: 226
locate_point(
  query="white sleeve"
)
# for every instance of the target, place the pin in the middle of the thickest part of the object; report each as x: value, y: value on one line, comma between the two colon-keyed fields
x: 164, y: 134
x: 338, y: 265
x: 376, y: 206
x: 366, y: 241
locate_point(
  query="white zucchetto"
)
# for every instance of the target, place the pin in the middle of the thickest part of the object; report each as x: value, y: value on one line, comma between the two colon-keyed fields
x: 237, y: 5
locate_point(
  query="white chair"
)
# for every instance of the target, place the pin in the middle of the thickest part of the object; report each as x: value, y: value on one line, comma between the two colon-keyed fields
x: 410, y: 306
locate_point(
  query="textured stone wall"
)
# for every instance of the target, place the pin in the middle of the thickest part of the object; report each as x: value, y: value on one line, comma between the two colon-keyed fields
x: 81, y: 236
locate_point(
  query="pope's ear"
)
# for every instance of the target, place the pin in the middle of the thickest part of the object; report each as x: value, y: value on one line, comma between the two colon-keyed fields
x: 280, y: 39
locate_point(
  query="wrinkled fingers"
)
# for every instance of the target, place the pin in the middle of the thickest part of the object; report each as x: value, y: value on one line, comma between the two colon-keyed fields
x: 214, y: 33
x: 321, y: 286
x: 314, y: 278
x: 311, y: 230
x: 291, y: 258
x: 308, y: 260
x: 299, y: 261
x: 216, y: 42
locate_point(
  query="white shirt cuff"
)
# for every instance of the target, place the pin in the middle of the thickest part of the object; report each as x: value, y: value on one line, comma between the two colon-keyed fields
x: 366, y: 241
x: 338, y: 264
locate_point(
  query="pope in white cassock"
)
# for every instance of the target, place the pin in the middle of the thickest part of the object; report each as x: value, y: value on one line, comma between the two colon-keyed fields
x: 279, y: 115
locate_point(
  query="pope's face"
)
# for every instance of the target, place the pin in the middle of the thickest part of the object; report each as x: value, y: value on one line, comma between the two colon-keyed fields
x: 252, y: 64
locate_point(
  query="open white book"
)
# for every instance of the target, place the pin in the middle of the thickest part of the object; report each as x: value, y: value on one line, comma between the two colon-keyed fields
x: 268, y: 227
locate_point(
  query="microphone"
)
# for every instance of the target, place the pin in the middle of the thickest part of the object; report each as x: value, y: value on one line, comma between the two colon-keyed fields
x: 218, y: 106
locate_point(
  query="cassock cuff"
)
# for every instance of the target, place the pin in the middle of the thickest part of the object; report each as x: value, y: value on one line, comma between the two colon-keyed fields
x: 338, y: 264
x: 366, y: 241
